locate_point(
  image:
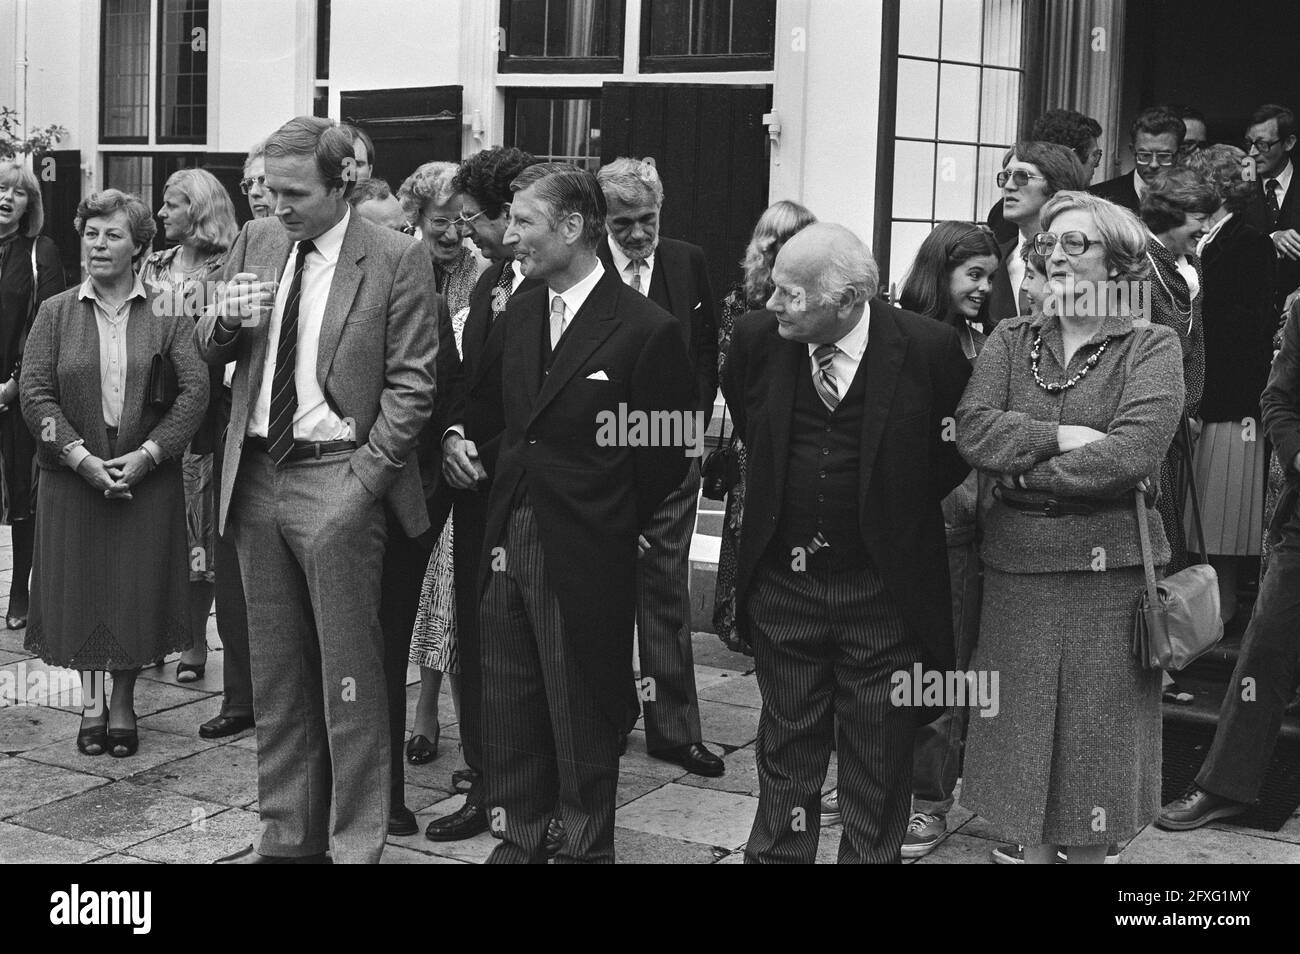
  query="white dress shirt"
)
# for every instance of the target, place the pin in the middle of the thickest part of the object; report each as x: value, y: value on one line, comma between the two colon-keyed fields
x: 1283, y: 186
x: 313, y: 420
x: 1139, y: 186
x: 845, y: 361
x: 575, y: 295
x: 1015, y: 266
x: 621, y: 262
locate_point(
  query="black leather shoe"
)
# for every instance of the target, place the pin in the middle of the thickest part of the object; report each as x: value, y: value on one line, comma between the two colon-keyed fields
x: 695, y: 758
x: 466, y: 822
x: 1198, y: 807
x: 401, y: 821
x: 420, y: 750
x: 222, y: 726
x: 249, y: 856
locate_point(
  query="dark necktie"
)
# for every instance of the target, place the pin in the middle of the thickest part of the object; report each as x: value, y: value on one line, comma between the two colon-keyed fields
x: 1270, y: 200
x: 284, y: 388
x: 501, y: 291
x: 824, y: 379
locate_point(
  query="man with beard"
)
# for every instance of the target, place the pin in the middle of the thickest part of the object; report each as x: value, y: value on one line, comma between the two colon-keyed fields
x: 673, y: 275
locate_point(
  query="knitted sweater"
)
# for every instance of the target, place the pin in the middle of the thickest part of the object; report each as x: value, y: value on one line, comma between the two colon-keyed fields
x: 1007, y: 424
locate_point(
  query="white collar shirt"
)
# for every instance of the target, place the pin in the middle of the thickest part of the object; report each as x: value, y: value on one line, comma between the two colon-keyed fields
x: 848, y: 355
x: 622, y: 263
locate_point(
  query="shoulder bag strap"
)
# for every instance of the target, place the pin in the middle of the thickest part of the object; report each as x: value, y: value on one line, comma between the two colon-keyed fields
x: 1139, y: 498
x: 1191, y: 485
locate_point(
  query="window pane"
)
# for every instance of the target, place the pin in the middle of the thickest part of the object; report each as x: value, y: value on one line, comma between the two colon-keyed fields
x: 954, y: 183
x: 124, y: 71
x: 556, y: 128
x: 183, y: 70
x: 958, y: 102
x: 918, y: 87
x: 961, y: 29
x: 987, y: 192
x: 905, y: 242
x: 565, y: 28
x: 999, y: 106
x: 913, y: 179
x: 711, y: 27
x: 918, y: 28
x: 1002, y: 32
x: 132, y: 174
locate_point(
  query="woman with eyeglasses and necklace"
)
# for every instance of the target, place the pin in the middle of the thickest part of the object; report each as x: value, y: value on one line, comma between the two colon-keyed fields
x: 1072, y: 756
x: 1032, y: 173
x: 1176, y: 210
x: 432, y: 205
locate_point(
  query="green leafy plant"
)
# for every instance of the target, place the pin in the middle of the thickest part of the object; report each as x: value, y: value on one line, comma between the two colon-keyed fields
x: 12, y: 143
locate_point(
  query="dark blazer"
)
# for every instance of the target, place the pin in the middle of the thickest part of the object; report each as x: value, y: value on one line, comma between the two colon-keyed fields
x: 1002, y: 229
x: 1004, y: 301
x: 60, y: 385
x: 680, y: 286
x: 1239, y: 320
x: 1120, y: 191
x: 428, y: 451
x: 1255, y: 214
x: 1281, y: 413
x: 590, y: 501
x: 376, y: 362
x: 916, y: 372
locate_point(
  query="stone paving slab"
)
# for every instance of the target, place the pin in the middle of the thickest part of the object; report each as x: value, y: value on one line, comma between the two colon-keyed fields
x: 396, y: 854
x: 155, y: 749
x: 708, y: 650
x: 117, y: 816
x: 8, y: 656
x: 1207, y: 846
x: 207, y: 838
x: 26, y: 784
x: 632, y: 787
x: 186, y: 719
x: 224, y: 774
x: 699, y: 815
x: 737, y: 689
x: 117, y: 858
x: 728, y: 725
x: 633, y: 847
x: 23, y: 846
x: 23, y: 728
x: 741, y: 777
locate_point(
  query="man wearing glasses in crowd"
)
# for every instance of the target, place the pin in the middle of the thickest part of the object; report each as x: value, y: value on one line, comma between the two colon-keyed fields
x: 1275, y: 210
x: 1156, y: 138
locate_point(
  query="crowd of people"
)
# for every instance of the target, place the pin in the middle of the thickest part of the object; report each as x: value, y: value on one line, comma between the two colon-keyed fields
x: 365, y: 427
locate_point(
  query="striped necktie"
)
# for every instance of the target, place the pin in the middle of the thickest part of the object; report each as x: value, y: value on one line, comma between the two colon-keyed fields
x: 557, y: 320
x: 501, y: 291
x: 284, y: 387
x: 824, y: 379
x: 635, y: 284
x: 1270, y: 200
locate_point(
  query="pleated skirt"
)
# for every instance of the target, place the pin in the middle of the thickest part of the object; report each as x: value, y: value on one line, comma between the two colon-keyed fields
x: 109, y: 577
x: 1072, y: 754
x: 1230, y: 478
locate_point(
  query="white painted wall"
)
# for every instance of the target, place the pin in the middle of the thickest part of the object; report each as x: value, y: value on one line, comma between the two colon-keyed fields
x: 52, y: 33
x: 827, y: 97
x: 261, y: 62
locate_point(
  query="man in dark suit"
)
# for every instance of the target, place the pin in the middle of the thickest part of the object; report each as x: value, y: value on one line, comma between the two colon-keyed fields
x: 842, y: 577
x: 334, y: 380
x: 674, y: 276
x: 575, y: 482
x: 405, y: 558
x: 1155, y: 139
x: 1275, y: 209
x: 1268, y: 669
x: 474, y: 422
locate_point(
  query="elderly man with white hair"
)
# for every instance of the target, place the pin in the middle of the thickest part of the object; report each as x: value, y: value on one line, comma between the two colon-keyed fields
x: 846, y: 409
x: 673, y: 275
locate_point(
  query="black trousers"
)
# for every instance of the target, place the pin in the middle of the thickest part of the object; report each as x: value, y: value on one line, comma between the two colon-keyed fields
x: 467, y: 547
x: 827, y: 640
x: 1264, y: 681
x: 547, y: 746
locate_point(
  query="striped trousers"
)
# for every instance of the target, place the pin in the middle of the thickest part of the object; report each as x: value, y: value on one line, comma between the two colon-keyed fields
x: 546, y: 745
x: 663, y: 620
x: 827, y: 640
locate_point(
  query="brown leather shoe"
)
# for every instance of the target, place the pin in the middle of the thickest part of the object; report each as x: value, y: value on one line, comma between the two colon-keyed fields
x: 1198, y: 807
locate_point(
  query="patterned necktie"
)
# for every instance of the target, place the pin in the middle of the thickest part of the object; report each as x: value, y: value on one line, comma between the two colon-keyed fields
x: 557, y: 320
x: 635, y: 283
x: 1270, y: 199
x: 501, y: 291
x: 284, y: 387
x: 824, y: 379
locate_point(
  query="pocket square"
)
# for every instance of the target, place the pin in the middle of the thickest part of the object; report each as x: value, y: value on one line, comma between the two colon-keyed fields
x: 598, y: 376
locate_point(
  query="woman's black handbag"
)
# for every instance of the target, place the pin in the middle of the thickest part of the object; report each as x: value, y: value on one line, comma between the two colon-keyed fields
x: 721, y: 469
x: 163, y: 387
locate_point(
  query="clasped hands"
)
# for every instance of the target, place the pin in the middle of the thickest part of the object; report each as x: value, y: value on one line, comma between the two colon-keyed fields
x: 115, y: 477
x: 1071, y: 437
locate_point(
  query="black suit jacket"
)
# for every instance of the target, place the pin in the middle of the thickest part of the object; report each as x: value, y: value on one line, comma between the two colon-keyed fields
x: 916, y: 373
x: 1002, y: 229
x: 680, y: 286
x: 1004, y: 301
x: 437, y: 492
x: 591, y: 496
x: 1120, y: 191
x: 1256, y: 214
x: 1239, y: 320
x: 1281, y: 407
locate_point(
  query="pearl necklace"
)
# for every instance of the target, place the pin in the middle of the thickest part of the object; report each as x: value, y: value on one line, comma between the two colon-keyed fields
x: 1053, y: 387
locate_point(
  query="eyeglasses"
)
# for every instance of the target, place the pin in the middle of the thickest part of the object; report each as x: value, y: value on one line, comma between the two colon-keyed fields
x: 1259, y: 145
x: 1019, y: 176
x: 441, y: 224
x: 1074, y: 243
x: 466, y: 222
x: 1144, y: 157
x: 246, y: 185
x: 408, y: 228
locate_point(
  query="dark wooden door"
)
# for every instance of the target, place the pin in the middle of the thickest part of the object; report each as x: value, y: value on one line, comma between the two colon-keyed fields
x: 59, y: 173
x: 409, y: 126
x: 711, y: 149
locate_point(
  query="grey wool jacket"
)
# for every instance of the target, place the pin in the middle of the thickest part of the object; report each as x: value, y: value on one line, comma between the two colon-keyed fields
x: 60, y: 384
x: 1006, y: 424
